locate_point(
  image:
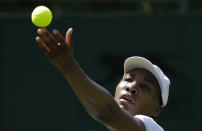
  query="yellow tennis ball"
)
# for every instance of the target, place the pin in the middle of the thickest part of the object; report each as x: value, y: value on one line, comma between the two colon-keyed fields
x: 41, y: 16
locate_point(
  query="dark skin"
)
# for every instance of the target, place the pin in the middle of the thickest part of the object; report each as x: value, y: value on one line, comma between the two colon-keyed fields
x: 114, y: 113
x: 141, y: 89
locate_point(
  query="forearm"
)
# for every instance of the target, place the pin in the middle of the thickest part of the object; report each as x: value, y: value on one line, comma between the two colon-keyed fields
x: 97, y: 101
x: 94, y: 98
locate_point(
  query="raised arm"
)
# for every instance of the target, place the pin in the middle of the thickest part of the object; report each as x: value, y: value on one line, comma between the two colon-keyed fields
x: 97, y: 101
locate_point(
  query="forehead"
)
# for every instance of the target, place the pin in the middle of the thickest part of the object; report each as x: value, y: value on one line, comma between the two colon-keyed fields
x: 145, y: 74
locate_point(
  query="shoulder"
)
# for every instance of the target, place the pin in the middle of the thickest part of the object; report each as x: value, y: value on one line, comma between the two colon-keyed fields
x: 149, y: 123
x: 122, y: 121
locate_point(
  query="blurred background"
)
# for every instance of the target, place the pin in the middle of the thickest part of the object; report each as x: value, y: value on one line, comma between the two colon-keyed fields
x: 35, y: 96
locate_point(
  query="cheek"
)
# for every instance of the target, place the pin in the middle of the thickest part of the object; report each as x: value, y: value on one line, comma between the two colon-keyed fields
x: 119, y: 89
x: 122, y: 84
x: 117, y: 93
x: 146, y: 103
x: 145, y: 97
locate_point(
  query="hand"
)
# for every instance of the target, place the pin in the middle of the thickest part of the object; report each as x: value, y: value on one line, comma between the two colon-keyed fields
x: 58, y: 50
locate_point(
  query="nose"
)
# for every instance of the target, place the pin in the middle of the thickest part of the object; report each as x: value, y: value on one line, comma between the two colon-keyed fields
x: 132, y: 89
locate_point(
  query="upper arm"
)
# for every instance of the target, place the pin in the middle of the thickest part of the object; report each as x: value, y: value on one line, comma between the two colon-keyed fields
x: 117, y: 119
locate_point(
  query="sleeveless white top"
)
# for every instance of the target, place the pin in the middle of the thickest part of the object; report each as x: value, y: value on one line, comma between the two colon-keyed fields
x: 149, y: 123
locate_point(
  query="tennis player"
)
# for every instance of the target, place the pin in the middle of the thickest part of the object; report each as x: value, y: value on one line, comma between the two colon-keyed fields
x: 140, y: 95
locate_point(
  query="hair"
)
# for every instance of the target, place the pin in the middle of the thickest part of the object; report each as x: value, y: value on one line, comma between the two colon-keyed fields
x: 160, y: 99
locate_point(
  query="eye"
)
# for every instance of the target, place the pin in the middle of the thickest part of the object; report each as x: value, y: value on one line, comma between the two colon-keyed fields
x: 128, y: 78
x: 144, y: 86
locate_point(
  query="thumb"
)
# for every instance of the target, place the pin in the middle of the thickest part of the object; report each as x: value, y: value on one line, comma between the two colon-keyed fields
x: 68, y: 37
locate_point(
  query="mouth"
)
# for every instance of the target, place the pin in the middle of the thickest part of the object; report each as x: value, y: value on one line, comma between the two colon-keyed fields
x: 127, y: 99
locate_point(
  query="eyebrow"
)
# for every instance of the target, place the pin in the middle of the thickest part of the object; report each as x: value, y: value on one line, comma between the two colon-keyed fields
x: 150, y: 81
x: 132, y: 74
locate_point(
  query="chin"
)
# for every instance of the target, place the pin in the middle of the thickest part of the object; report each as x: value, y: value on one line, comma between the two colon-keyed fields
x: 126, y: 109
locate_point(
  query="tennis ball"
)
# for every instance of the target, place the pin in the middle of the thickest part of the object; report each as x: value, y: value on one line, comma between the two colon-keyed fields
x: 41, y: 16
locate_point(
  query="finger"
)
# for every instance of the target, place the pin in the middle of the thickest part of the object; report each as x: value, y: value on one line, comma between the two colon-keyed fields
x: 42, y: 45
x: 59, y: 38
x: 48, y: 38
x: 69, y: 37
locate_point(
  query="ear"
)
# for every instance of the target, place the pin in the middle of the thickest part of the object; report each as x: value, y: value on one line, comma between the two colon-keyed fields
x: 157, y: 111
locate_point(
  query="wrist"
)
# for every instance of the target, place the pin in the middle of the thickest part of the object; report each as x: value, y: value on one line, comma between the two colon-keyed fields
x: 69, y: 67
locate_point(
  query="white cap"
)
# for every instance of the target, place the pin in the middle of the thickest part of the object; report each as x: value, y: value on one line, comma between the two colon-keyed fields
x: 140, y: 62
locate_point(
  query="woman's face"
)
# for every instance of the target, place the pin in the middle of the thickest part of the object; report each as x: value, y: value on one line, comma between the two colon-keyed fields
x: 139, y: 93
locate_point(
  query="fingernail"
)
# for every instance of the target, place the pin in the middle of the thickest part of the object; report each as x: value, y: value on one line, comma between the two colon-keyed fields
x: 37, y: 38
x: 54, y: 31
x: 39, y: 30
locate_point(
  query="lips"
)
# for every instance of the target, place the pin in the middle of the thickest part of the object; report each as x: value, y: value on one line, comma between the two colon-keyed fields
x: 127, y: 98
